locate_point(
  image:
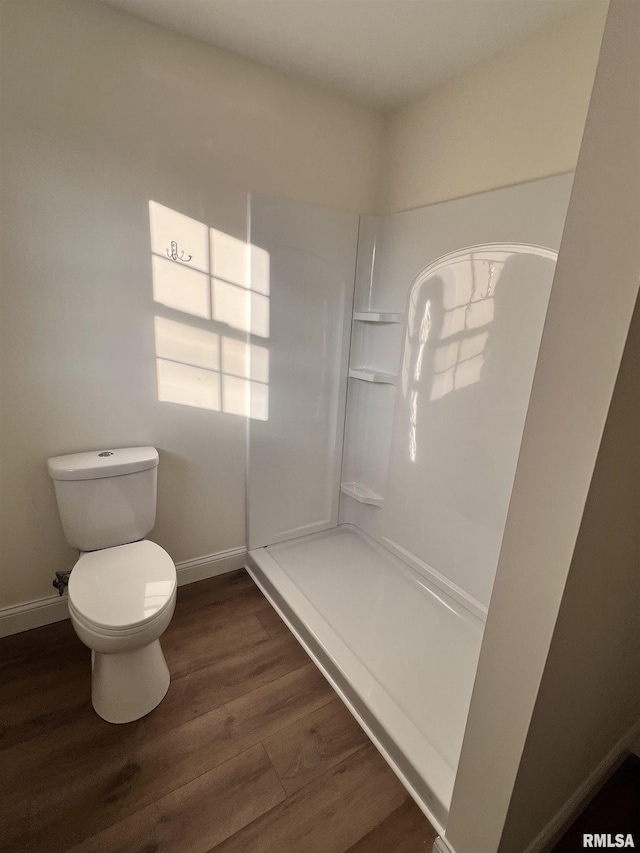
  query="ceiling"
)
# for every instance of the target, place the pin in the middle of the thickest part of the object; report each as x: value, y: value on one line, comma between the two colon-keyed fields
x: 379, y: 52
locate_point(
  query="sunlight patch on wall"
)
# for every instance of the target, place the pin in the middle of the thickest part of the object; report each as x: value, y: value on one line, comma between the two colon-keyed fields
x: 188, y: 385
x: 246, y: 360
x: 192, y: 237
x: 241, y: 309
x: 259, y: 270
x: 239, y: 284
x: 180, y: 287
x: 229, y: 258
x: 241, y: 397
x: 180, y: 342
x: 221, y: 280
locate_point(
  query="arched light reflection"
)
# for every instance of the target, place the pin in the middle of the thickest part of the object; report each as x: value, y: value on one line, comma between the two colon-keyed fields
x: 451, y: 310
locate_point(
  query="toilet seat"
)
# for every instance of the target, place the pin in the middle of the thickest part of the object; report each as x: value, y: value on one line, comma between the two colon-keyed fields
x: 108, y: 631
x: 126, y: 588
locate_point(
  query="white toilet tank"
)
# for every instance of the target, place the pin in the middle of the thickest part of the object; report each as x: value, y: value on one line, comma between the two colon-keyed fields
x: 106, y: 497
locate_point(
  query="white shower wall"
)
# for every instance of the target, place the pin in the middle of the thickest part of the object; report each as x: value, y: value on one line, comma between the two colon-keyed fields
x: 441, y: 362
x: 294, y: 456
x: 431, y: 452
x: 410, y: 435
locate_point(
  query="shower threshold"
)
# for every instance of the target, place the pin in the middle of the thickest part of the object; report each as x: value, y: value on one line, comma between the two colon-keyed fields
x: 399, y: 651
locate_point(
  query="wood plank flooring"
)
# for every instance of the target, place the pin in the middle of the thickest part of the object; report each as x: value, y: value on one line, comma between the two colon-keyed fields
x: 250, y: 752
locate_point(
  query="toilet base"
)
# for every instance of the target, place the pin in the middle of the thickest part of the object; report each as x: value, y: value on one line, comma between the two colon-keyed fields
x: 129, y: 685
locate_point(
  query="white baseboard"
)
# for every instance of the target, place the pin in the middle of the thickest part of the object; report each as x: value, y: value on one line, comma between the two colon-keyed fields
x: 33, y: 614
x: 556, y: 827
x: 53, y: 608
x: 441, y: 845
x: 210, y: 566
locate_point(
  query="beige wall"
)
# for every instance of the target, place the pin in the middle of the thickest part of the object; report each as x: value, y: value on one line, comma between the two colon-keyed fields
x: 100, y: 113
x: 516, y: 117
x: 589, y: 698
x: 590, y: 309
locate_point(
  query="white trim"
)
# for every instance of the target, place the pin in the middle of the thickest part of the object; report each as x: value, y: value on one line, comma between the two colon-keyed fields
x: 53, y: 608
x: 556, y: 827
x: 33, y: 614
x: 441, y: 845
x: 201, y: 568
x: 472, y: 604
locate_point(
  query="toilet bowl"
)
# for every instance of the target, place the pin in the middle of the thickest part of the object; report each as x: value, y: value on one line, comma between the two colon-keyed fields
x: 121, y: 601
x: 122, y: 590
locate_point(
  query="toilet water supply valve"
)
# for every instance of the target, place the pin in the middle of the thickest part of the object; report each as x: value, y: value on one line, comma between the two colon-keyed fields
x: 62, y: 581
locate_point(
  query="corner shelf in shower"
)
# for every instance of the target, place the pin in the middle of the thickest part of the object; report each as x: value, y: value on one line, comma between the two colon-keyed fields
x: 361, y: 494
x: 377, y: 317
x: 371, y: 376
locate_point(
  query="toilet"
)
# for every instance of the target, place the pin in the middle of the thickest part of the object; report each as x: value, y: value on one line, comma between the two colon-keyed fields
x: 122, y: 590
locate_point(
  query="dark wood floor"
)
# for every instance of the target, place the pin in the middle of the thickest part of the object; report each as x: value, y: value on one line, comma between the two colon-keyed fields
x: 251, y: 750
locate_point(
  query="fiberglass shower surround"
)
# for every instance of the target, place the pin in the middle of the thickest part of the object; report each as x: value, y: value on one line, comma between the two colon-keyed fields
x: 379, y: 486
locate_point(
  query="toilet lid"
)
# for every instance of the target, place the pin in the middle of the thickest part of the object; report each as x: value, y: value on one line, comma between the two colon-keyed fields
x: 122, y: 587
